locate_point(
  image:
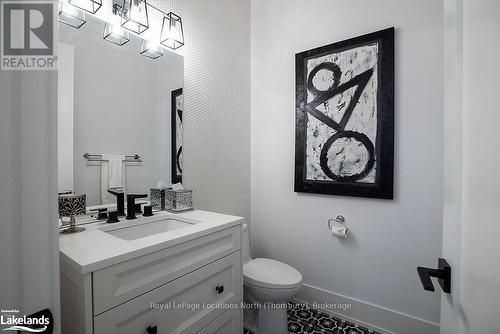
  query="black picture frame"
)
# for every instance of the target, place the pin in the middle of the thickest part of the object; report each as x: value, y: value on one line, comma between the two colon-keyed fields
x: 176, y: 151
x: 382, y: 157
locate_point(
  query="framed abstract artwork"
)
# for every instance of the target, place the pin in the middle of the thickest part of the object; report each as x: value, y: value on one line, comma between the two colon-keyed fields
x: 344, y: 129
x: 177, y: 105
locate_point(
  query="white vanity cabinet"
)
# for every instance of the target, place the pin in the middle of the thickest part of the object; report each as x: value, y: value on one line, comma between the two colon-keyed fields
x: 190, y: 287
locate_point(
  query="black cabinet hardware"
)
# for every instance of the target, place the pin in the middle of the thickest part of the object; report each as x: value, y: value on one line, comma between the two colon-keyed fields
x: 443, y: 274
x: 219, y: 289
x: 152, y: 330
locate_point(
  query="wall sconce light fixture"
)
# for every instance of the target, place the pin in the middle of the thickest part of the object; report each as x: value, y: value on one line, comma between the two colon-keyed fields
x: 131, y: 16
x: 135, y: 16
x: 172, y: 34
x: 91, y: 6
x: 151, y: 50
x: 70, y: 15
x: 113, y: 32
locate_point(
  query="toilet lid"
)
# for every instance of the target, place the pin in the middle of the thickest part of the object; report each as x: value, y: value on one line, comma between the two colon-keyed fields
x: 272, y: 274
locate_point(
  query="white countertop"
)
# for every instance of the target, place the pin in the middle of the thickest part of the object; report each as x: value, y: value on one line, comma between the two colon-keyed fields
x: 95, y: 249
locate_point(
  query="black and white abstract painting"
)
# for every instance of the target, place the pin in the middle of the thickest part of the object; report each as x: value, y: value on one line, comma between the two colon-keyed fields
x: 177, y: 105
x: 345, y: 117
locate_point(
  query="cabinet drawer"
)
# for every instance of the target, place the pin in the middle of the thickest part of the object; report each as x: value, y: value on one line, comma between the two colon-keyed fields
x: 117, y: 284
x: 228, y: 323
x: 197, y: 289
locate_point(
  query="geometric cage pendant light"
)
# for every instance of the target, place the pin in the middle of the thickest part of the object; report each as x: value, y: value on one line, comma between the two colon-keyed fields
x: 172, y: 34
x: 128, y: 16
x: 135, y: 16
x: 90, y: 6
x: 151, y: 50
x: 113, y: 32
x: 70, y: 15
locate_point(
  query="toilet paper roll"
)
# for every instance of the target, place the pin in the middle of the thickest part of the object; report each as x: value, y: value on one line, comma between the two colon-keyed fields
x: 339, y: 231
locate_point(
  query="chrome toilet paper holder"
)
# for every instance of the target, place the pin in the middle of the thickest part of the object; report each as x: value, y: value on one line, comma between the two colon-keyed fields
x: 339, y: 220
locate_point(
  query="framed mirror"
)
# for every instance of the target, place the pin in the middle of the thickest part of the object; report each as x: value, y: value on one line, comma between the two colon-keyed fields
x: 115, y: 114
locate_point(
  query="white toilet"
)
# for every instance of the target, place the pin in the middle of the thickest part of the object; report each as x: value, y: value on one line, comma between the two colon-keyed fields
x: 269, y: 281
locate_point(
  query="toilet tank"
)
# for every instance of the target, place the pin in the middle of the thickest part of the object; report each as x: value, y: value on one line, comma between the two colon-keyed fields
x: 246, y: 244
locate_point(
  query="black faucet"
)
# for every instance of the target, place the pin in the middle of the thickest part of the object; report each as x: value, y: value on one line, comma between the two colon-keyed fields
x: 120, y: 201
x: 131, y: 205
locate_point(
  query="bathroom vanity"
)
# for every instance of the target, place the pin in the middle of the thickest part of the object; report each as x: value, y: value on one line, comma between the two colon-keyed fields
x: 170, y: 273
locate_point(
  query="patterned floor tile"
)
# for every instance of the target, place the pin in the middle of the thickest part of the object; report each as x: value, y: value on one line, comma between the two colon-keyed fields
x: 303, y: 320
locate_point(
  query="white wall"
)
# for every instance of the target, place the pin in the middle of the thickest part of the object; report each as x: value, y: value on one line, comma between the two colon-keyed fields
x: 453, y: 160
x: 216, y: 149
x: 389, y: 238
x: 29, y: 260
x: 480, y: 248
x: 65, y: 124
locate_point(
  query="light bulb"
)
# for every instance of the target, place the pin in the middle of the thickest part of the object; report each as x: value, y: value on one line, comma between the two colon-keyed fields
x: 68, y: 9
x: 116, y: 30
x: 152, y: 46
x: 135, y: 11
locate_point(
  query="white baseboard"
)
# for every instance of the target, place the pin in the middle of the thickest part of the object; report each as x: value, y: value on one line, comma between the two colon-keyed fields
x: 377, y: 318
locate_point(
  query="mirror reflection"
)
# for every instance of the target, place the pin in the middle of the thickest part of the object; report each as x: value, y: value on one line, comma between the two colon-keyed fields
x: 120, y: 115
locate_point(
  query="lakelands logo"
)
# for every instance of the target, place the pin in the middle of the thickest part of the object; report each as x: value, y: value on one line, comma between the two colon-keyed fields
x: 16, y: 322
x: 27, y: 35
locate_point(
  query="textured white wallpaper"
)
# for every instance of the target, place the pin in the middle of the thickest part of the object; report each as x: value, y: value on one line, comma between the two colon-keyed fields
x: 217, y: 102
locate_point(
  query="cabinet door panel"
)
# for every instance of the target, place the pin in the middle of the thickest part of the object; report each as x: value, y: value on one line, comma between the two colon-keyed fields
x: 228, y: 323
x: 189, y: 302
x: 117, y: 284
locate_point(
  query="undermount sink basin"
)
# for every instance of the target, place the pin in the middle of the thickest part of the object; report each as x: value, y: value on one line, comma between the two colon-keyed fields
x: 147, y: 229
